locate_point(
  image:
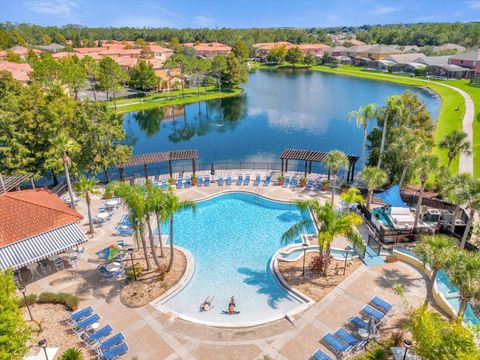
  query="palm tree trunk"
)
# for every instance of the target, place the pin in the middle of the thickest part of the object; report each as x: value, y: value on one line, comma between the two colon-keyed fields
x: 90, y: 222
x: 402, y: 177
x: 449, y: 162
x: 144, y: 245
x: 170, y: 261
x: 333, y: 187
x: 152, y: 243
x: 462, y: 308
x: 159, y: 230
x: 369, y: 199
x: 69, y: 183
x: 419, y: 205
x: 94, y: 92
x: 382, y: 145
x: 114, y: 100
x: 467, y: 229
x: 430, y: 286
x: 454, y: 218
x: 364, y: 147
x: 326, y: 262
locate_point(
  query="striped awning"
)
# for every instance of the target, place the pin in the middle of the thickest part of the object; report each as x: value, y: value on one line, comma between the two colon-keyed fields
x: 36, y: 248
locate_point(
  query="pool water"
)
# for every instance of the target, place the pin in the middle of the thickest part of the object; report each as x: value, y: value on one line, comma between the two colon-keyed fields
x: 232, y: 238
x: 381, y: 216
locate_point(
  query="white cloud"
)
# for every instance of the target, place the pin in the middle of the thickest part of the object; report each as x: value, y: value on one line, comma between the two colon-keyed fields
x: 203, y: 20
x: 63, y: 8
x: 473, y: 4
x: 384, y: 10
x: 332, y: 17
x: 144, y: 21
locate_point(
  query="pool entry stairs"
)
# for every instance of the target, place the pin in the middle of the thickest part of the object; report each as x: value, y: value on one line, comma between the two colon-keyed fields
x: 371, y: 258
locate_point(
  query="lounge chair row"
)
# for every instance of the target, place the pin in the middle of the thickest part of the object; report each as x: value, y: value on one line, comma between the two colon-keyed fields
x: 342, y: 342
x: 107, y: 349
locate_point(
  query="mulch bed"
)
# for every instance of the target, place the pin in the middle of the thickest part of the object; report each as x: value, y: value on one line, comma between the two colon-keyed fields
x: 154, y: 282
x: 312, y: 284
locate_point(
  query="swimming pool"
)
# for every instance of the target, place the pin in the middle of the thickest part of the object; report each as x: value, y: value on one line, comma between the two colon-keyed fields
x: 232, y: 238
x: 296, y: 254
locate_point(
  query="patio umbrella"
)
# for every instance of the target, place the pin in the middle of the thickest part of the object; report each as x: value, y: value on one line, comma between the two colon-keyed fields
x: 110, y: 252
x: 372, y: 328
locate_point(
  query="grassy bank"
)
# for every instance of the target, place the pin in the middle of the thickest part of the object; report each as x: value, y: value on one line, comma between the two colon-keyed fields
x: 448, y: 118
x: 172, y: 98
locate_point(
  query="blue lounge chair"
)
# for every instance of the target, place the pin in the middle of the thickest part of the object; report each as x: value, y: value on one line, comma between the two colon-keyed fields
x: 348, y: 338
x: 179, y: 183
x: 92, y: 339
x: 229, y: 180
x: 267, y: 180
x: 111, y: 342
x: 187, y: 183
x: 309, y: 185
x: 381, y: 304
x: 318, y: 185
x: 85, y: 324
x: 358, y: 323
x: 239, y: 180
x: 220, y: 181
x: 371, y: 312
x: 124, y: 232
x: 335, y: 345
x: 286, y: 182
x: 115, y: 352
x: 200, y: 181
x: 320, y: 355
x: 293, y: 186
x: 164, y: 185
x: 81, y: 314
x: 257, y: 180
x: 247, y: 180
x: 207, y: 180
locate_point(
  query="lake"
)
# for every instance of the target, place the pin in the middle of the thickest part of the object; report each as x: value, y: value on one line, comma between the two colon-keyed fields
x: 279, y: 110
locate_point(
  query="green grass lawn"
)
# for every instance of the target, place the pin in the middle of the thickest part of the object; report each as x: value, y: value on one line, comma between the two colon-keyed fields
x: 172, y: 98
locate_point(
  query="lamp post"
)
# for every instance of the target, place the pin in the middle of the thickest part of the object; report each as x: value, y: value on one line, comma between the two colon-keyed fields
x: 43, y: 344
x: 347, y: 249
x: 304, y: 246
x: 408, y: 344
x: 23, y: 290
x: 130, y: 252
x: 212, y: 172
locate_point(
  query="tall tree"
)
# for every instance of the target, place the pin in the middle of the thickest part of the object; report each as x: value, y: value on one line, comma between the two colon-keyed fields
x: 455, y: 143
x: 309, y: 59
x: 85, y: 188
x: 277, y: 54
x: 471, y: 194
x: 426, y: 165
x: 231, y: 76
x: 240, y: 50
x: 335, y: 160
x: 73, y: 74
x: 142, y: 76
x: 331, y: 224
x: 394, y: 107
x: 110, y: 76
x: 91, y: 70
x: 217, y: 67
x: 374, y: 178
x: 435, y: 251
x: 363, y: 116
x: 294, y: 56
x: 14, y: 332
x: 46, y: 70
x: 454, y: 189
x: 156, y: 203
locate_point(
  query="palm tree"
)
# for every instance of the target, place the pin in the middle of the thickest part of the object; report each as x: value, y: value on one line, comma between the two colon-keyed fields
x: 394, y: 107
x: 66, y: 146
x: 463, y: 270
x: 455, y: 143
x: 85, y: 188
x: 374, y: 178
x: 363, y: 116
x: 156, y: 199
x: 172, y: 205
x: 335, y: 160
x: 454, y: 190
x: 435, y: 251
x: 331, y: 224
x: 353, y: 196
x: 471, y: 195
x: 426, y: 164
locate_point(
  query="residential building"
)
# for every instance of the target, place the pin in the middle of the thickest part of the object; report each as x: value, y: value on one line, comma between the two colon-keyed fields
x: 264, y: 48
x: 169, y: 79
x: 433, y: 60
x: 450, y: 46
x: 19, y: 50
x: 52, y: 48
x: 470, y: 60
x: 355, y: 51
x: 379, y: 52
x: 314, y: 49
x: 335, y: 50
x: 209, y: 50
x: 20, y: 72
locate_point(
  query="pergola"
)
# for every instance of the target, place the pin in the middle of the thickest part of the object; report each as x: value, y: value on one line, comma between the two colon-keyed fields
x: 160, y: 157
x: 11, y: 182
x: 309, y: 156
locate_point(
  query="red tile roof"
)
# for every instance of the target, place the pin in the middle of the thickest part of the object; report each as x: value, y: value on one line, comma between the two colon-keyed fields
x: 28, y: 213
x: 19, y: 72
x: 213, y: 46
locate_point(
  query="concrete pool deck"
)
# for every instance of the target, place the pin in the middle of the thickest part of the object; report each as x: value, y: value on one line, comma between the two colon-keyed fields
x: 152, y: 334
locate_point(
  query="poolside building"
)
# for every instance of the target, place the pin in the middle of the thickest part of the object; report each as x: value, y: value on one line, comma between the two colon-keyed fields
x: 36, y: 224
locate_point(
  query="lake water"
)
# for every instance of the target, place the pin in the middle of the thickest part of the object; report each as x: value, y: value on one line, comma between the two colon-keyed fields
x: 279, y: 110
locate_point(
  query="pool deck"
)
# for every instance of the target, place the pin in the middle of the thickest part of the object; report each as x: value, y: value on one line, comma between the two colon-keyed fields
x: 152, y: 334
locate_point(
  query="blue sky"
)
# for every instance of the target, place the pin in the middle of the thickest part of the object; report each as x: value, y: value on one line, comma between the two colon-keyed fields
x: 236, y: 13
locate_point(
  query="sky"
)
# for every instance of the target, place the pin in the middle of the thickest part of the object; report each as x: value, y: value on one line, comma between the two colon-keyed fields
x: 236, y: 13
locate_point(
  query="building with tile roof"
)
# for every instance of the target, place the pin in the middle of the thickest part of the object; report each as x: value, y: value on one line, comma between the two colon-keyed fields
x: 209, y: 50
x: 20, y: 72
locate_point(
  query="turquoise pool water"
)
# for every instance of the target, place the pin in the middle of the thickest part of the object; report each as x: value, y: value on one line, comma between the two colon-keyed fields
x: 379, y: 214
x: 232, y: 238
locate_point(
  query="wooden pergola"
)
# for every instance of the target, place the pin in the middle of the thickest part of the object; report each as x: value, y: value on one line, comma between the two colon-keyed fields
x: 11, y: 182
x: 160, y: 157
x: 309, y: 156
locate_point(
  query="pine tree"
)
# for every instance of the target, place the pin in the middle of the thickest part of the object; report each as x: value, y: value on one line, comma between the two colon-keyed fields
x: 231, y: 76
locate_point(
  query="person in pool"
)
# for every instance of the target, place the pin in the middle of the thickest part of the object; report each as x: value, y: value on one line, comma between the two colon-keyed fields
x: 231, y: 306
x: 207, y: 304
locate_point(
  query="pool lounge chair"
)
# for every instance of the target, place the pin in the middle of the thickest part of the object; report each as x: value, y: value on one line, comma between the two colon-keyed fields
x: 229, y: 180
x: 381, y: 304
x: 257, y: 180
x: 348, y: 338
x: 247, y: 180
x: 293, y: 186
x: 220, y: 181
x: 286, y: 182
x: 268, y: 178
x: 85, y: 324
x: 115, y: 352
x: 187, y: 183
x: 80, y: 314
x: 335, y: 345
x: 111, y: 342
x: 122, y: 231
x: 309, y: 185
x: 179, y: 183
x: 372, y: 312
x: 318, y: 185
x: 358, y: 323
x: 164, y: 185
x: 320, y: 355
x: 200, y: 181
x: 239, y: 180
x: 92, y: 340
x: 207, y: 180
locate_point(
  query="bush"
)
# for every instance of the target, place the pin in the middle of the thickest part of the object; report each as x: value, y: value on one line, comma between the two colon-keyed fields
x: 72, y: 354
x: 138, y: 271
x: 70, y: 301
x: 30, y: 300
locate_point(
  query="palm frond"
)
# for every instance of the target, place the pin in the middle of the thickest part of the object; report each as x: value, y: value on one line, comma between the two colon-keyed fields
x: 296, y: 230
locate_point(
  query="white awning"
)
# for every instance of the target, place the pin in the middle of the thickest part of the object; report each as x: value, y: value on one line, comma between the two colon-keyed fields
x: 40, y: 247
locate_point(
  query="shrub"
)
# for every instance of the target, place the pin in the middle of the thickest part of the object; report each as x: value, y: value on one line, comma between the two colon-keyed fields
x: 70, y: 301
x: 72, y: 354
x: 30, y: 300
x: 138, y: 271
x: 317, y: 263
